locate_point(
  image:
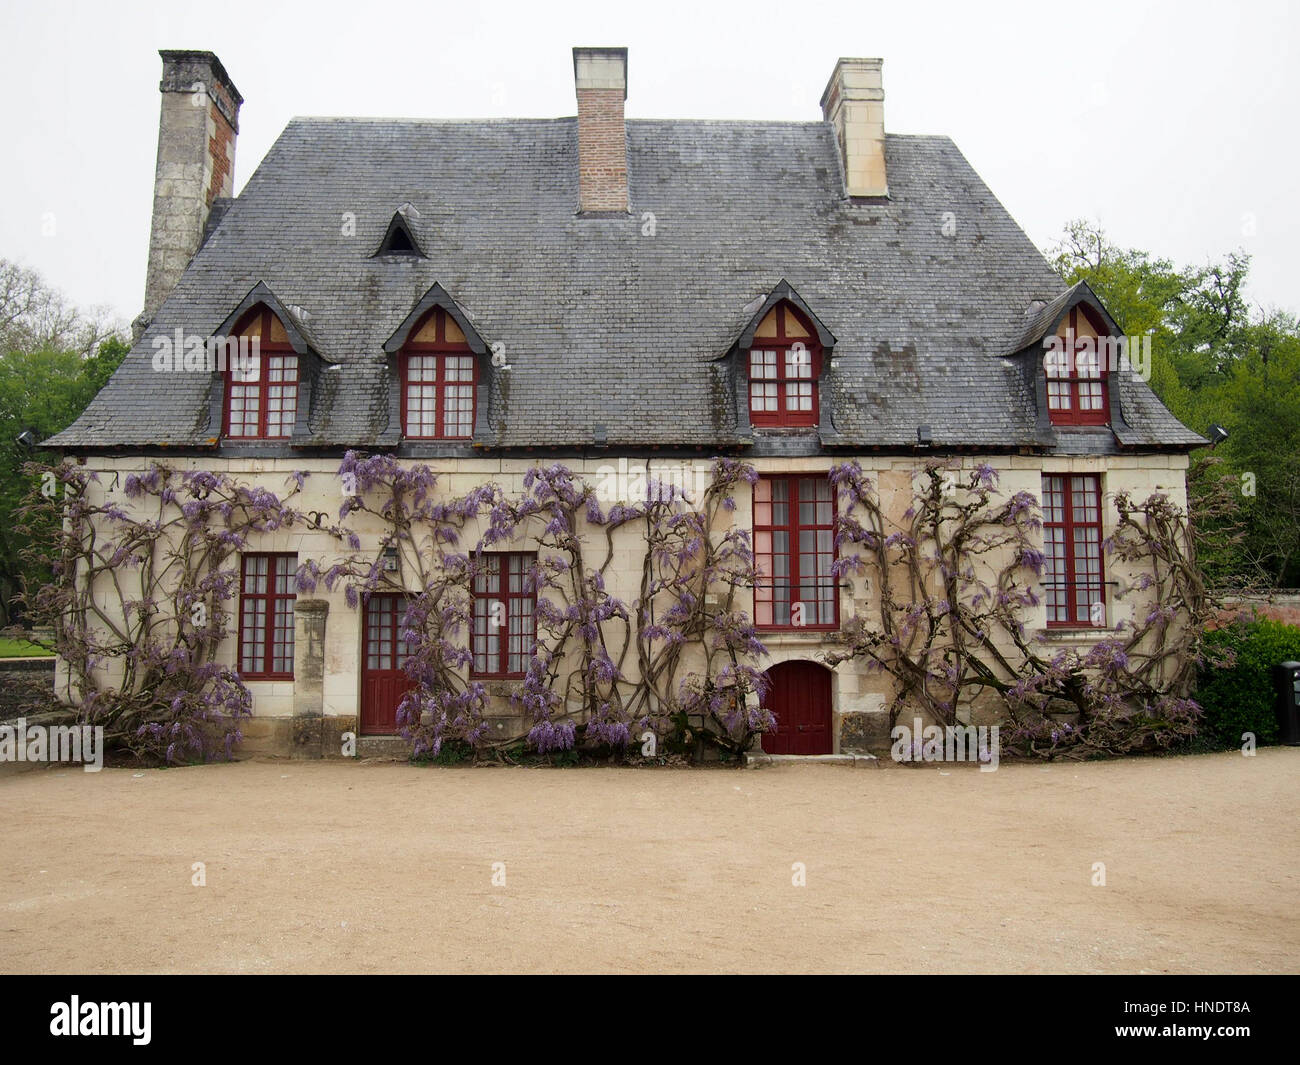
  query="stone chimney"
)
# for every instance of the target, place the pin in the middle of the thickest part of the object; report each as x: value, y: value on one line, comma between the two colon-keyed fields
x: 196, y: 165
x: 600, y: 75
x: 854, y: 105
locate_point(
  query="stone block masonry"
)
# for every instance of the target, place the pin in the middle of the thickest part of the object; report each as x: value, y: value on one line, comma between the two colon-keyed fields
x: 197, y: 128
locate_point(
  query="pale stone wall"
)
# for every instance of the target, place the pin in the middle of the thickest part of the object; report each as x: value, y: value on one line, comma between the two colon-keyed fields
x: 859, y: 697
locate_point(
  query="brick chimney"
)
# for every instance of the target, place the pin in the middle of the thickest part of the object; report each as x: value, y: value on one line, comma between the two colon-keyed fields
x: 854, y: 105
x: 196, y: 165
x: 600, y: 75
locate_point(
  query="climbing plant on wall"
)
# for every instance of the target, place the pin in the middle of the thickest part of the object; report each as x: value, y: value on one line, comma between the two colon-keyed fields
x: 144, y: 571
x: 954, y: 581
x: 578, y: 686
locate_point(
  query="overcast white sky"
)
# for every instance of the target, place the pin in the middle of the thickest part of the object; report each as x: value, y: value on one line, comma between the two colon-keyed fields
x: 1174, y: 124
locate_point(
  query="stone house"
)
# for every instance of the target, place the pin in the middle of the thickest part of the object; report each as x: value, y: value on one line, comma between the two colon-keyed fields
x: 482, y: 296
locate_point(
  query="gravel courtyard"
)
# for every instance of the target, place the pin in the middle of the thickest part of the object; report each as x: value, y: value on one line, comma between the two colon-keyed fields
x: 334, y: 867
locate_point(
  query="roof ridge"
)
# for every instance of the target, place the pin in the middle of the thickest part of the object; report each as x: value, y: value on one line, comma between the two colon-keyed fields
x: 775, y: 123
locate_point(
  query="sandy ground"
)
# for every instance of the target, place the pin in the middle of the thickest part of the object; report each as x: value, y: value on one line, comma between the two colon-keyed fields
x: 314, y: 867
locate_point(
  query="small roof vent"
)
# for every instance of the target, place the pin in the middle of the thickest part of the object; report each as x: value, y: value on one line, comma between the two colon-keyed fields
x: 399, y: 240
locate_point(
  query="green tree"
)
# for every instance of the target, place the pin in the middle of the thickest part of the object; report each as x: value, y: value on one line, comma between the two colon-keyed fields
x: 53, y: 359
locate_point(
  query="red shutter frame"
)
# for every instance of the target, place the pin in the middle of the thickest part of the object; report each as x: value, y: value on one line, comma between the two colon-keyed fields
x: 781, y: 344
x: 1076, y: 415
x: 795, y: 578
x: 440, y: 348
x: 266, y: 349
x: 1071, y: 562
x: 267, y: 599
x: 504, y: 595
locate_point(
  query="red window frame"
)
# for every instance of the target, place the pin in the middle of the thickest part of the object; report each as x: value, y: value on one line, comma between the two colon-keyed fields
x: 773, y: 358
x: 383, y: 632
x: 505, y: 577
x: 1074, y: 576
x: 275, y: 626
x: 277, y: 379
x: 767, y: 601
x: 442, y: 351
x: 1067, y: 386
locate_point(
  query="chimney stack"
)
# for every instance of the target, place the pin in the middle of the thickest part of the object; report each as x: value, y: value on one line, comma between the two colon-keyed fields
x: 600, y: 75
x: 196, y: 165
x: 854, y: 105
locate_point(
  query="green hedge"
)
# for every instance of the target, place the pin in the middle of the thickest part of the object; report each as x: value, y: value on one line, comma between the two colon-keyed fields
x: 1240, y: 699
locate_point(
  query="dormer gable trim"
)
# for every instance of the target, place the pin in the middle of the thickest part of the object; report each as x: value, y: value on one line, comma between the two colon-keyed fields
x: 311, y: 362
x: 784, y: 291
x: 437, y: 296
x: 1048, y: 320
x: 294, y: 320
x: 737, y: 365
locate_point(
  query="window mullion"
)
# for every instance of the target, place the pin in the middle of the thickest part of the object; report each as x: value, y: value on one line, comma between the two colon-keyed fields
x: 263, y: 392
x: 272, y: 575
x: 506, y: 597
x: 783, y: 411
x: 795, y: 569
x: 266, y: 609
x: 1067, y: 516
x: 503, y: 640
x: 440, y: 382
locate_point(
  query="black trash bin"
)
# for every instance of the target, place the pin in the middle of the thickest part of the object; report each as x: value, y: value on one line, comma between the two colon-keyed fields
x: 1286, y: 683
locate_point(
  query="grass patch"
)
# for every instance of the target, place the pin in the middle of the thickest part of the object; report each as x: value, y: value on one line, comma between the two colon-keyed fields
x: 22, y: 649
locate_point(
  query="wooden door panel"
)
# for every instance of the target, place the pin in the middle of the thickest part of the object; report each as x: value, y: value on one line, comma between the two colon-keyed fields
x: 383, y: 682
x: 380, y: 694
x: 799, y: 695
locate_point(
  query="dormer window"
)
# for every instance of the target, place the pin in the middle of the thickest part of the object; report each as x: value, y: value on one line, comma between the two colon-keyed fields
x: 438, y: 380
x: 262, y: 384
x: 784, y: 368
x: 1076, y: 366
x: 398, y: 238
x: 399, y: 243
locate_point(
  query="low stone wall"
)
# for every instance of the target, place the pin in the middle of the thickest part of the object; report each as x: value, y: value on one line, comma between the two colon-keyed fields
x: 296, y: 737
x: 26, y: 687
x: 862, y: 731
x: 1279, y: 606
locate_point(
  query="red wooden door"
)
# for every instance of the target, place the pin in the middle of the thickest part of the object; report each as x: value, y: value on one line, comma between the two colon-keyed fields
x: 799, y: 696
x: 383, y: 681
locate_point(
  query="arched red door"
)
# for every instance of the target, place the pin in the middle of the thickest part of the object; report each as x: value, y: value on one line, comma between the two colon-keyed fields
x: 799, y: 695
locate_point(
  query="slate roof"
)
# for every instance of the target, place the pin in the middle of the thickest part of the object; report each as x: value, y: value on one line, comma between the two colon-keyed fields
x: 1044, y: 322
x: 602, y: 323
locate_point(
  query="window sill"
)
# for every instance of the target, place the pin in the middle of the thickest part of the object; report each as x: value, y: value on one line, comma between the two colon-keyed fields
x: 436, y: 439
x: 806, y: 634
x: 1082, y: 634
x: 809, y: 429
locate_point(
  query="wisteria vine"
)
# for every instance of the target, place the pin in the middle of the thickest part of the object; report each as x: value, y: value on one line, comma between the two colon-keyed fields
x: 954, y: 580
